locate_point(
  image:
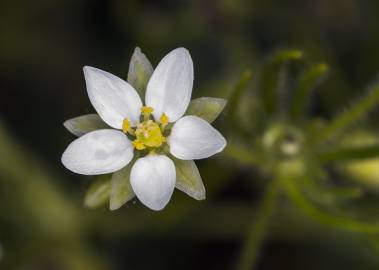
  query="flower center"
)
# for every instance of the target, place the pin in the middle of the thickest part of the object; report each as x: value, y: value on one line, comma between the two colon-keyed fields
x: 148, y: 133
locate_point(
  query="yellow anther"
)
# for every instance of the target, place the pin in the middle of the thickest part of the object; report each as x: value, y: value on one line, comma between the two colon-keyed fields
x: 138, y: 144
x: 125, y: 125
x: 163, y: 119
x: 146, y: 110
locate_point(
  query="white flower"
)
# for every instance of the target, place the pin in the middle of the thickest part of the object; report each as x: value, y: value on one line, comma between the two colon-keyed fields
x: 146, y: 129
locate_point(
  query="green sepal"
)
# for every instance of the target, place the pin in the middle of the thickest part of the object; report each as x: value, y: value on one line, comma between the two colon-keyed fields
x: 207, y: 108
x: 188, y: 179
x: 121, y: 190
x: 83, y: 124
x: 140, y: 70
x: 98, y: 192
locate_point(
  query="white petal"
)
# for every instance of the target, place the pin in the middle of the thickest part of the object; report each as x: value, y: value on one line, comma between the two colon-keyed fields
x: 98, y: 152
x: 153, y: 180
x: 113, y: 98
x: 194, y: 138
x: 170, y: 87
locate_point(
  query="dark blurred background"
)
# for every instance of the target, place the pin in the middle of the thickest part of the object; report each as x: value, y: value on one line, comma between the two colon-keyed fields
x: 43, y: 47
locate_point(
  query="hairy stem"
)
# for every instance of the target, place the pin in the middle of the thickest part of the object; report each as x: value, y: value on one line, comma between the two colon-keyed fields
x: 350, y: 116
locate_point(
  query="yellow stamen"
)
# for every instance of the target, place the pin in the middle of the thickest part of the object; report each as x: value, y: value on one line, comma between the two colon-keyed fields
x: 146, y: 112
x: 138, y: 144
x: 163, y: 119
x: 125, y: 125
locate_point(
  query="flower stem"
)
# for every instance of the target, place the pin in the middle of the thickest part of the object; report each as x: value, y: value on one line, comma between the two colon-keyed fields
x: 258, y: 228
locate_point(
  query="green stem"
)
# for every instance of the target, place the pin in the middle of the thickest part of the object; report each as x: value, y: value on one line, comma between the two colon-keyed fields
x: 258, y: 229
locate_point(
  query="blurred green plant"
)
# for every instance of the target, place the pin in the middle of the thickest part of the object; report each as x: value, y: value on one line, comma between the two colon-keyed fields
x: 300, y: 154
